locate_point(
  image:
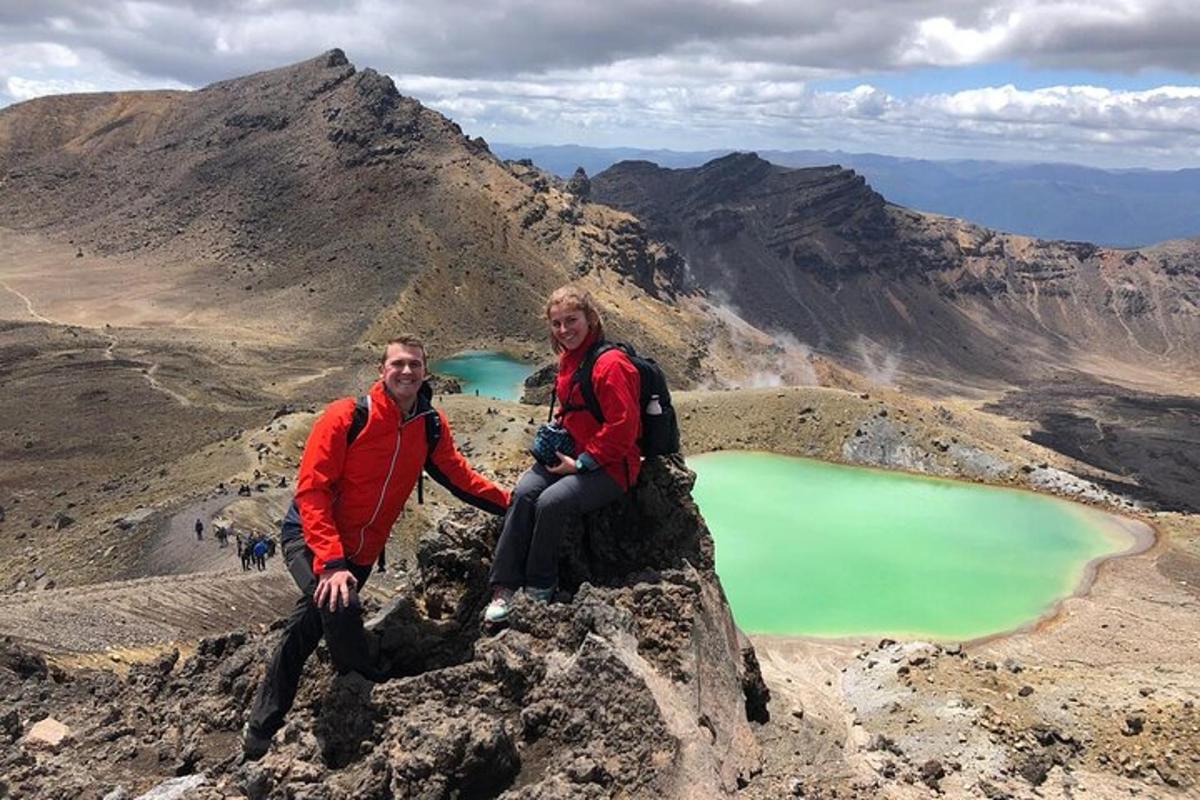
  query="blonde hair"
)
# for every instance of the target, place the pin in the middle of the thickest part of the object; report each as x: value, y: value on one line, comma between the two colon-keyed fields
x: 576, y: 299
x: 405, y: 340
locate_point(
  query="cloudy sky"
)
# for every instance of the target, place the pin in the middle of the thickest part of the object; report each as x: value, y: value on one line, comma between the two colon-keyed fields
x: 1102, y: 82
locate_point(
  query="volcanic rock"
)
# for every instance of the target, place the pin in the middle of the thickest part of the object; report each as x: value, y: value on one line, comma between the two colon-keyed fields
x: 635, y: 683
x: 579, y: 184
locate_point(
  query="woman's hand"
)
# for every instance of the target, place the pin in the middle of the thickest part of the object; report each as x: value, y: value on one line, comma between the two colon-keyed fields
x: 565, y: 466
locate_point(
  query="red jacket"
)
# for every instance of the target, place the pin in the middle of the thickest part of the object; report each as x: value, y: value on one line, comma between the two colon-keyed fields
x: 618, y: 388
x: 350, y: 498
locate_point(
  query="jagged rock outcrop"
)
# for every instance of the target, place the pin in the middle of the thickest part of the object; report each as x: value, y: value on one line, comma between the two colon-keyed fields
x: 636, y: 683
x: 539, y: 384
x: 579, y: 184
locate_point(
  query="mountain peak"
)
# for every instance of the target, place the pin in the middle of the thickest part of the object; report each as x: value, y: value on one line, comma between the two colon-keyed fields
x: 736, y: 159
x: 335, y: 57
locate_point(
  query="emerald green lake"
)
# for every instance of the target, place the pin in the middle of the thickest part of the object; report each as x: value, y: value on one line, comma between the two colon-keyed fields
x: 494, y: 375
x: 809, y: 548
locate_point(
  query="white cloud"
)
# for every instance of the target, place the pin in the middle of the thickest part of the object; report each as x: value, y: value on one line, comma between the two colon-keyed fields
x: 700, y: 73
x: 26, y: 89
x: 940, y: 41
x: 663, y: 102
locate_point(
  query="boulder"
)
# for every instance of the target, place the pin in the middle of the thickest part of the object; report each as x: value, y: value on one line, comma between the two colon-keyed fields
x: 47, y: 734
x: 24, y: 664
x: 10, y: 725
x: 445, y: 384
x: 175, y: 789
x: 539, y: 384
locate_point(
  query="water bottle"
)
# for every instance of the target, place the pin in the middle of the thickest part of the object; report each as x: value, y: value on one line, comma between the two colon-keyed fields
x: 653, y: 408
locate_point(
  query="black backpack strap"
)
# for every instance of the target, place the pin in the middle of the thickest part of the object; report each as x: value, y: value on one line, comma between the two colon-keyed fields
x: 362, y: 410
x: 583, y: 376
x: 433, y: 435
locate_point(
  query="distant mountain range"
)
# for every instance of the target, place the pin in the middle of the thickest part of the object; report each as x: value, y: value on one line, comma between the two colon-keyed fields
x: 1114, y: 208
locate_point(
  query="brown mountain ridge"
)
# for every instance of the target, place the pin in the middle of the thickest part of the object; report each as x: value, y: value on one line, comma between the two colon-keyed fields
x: 316, y: 201
x: 816, y: 252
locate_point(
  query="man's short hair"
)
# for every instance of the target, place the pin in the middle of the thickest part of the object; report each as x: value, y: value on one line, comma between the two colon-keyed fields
x: 405, y: 340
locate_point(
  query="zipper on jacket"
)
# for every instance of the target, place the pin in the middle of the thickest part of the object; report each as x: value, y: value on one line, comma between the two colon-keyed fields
x: 362, y: 532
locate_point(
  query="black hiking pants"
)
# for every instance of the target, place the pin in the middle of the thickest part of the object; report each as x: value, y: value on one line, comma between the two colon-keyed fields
x: 350, y: 646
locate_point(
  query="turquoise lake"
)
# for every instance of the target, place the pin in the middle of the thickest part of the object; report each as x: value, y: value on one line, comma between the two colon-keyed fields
x: 809, y: 548
x: 494, y: 375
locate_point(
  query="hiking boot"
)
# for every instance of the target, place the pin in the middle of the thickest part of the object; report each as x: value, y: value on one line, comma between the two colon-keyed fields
x: 541, y: 595
x: 497, y: 610
x: 254, y: 746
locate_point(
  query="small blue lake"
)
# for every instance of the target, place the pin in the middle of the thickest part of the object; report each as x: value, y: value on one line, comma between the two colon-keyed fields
x: 487, y: 373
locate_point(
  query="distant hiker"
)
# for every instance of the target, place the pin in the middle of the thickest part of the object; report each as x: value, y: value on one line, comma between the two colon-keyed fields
x: 260, y: 554
x: 270, y: 547
x: 563, y: 486
x: 361, y: 462
x: 199, y: 530
x: 245, y: 553
x: 223, y: 536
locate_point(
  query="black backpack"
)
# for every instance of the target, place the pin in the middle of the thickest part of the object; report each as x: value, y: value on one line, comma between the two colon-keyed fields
x: 660, y: 428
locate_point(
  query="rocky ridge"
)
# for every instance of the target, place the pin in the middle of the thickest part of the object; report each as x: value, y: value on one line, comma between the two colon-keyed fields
x: 318, y: 186
x: 897, y: 294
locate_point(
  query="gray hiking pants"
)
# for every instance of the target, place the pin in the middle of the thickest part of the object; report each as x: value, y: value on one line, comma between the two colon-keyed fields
x: 542, y: 507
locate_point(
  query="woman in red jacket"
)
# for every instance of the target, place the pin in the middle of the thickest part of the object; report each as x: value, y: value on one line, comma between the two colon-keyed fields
x: 605, y: 465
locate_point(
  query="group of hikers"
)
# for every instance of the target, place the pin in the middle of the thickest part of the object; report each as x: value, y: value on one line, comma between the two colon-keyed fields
x: 253, y: 550
x: 365, y: 455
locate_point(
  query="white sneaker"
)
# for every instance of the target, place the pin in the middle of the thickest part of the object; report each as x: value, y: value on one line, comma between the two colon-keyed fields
x: 497, y: 610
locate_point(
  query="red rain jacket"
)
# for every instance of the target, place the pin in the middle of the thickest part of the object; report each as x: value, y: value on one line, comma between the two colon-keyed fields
x: 349, y: 498
x: 618, y: 388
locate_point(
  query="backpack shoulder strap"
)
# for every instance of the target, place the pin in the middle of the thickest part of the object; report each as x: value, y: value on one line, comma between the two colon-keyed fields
x: 362, y: 410
x: 583, y: 375
x: 433, y: 435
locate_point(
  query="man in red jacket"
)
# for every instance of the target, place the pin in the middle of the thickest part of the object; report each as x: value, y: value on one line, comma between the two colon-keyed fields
x: 354, y: 481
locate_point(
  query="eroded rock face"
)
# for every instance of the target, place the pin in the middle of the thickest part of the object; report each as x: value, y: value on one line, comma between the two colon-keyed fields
x: 635, y: 683
x: 816, y: 252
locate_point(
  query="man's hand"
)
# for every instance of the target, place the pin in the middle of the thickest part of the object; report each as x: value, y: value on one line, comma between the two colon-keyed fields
x: 335, y: 589
x: 565, y: 466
